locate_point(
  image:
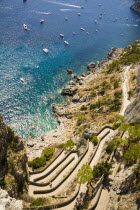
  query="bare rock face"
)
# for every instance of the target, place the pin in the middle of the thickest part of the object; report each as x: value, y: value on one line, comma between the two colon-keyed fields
x: 13, y: 160
x: 8, y: 203
x: 91, y: 66
x: 136, y: 6
x: 69, y: 90
x: 132, y: 113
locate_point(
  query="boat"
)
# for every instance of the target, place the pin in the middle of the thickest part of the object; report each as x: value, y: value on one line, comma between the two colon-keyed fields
x: 78, y: 14
x: 62, y: 35
x: 82, y: 7
x: 66, y: 18
x: 74, y: 33
x: 45, y: 50
x: 82, y: 29
x: 87, y: 32
x: 42, y: 21
x: 67, y: 43
x: 22, y: 80
x: 25, y: 27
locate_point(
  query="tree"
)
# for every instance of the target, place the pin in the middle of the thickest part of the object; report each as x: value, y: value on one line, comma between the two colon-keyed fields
x: 102, y: 168
x: 132, y: 154
x: 69, y: 145
x: 84, y: 174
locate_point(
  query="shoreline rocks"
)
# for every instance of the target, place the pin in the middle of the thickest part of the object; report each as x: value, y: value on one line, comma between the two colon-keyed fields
x: 136, y: 6
x: 65, y: 129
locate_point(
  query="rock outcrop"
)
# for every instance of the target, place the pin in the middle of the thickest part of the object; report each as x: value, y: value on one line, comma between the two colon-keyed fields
x: 8, y: 203
x: 13, y: 160
x: 132, y: 112
x: 136, y: 6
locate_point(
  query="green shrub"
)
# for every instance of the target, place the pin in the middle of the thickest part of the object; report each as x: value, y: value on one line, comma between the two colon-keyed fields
x: 93, y: 94
x: 119, y: 198
x: 102, y: 168
x: 39, y: 202
x: 37, y: 162
x: 83, y: 107
x: 69, y: 144
x: 110, y: 147
x: 92, y: 106
x: 48, y: 152
x: 116, y: 125
x: 80, y: 119
x: 130, y: 93
x: 118, y: 94
x: 115, y: 83
x: 94, y: 140
x: 60, y: 146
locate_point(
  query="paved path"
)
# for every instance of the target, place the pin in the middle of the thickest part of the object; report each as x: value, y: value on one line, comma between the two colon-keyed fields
x: 125, y: 89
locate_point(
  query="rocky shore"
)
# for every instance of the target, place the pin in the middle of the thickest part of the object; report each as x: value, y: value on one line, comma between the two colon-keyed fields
x: 65, y: 129
x: 136, y: 6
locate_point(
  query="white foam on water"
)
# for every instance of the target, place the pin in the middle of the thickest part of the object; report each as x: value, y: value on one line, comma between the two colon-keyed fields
x: 68, y: 5
x: 65, y: 10
x: 39, y: 12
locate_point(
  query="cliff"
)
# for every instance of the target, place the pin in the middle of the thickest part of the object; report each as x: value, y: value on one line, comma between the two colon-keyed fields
x: 136, y: 6
x: 132, y: 113
x: 13, y: 160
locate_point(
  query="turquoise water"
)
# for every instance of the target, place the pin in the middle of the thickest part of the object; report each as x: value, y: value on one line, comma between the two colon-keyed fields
x: 27, y: 107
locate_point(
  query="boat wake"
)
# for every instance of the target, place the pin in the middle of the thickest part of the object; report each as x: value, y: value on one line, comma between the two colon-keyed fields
x: 43, y: 13
x: 133, y: 25
x: 65, y: 10
x: 68, y: 5
x: 6, y: 8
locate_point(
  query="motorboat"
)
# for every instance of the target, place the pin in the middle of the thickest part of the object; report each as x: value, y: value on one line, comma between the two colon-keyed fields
x: 67, y: 43
x: 25, y: 27
x: 45, y: 50
x: 82, y: 29
x: 22, y: 80
x: 62, y: 35
x: 42, y: 21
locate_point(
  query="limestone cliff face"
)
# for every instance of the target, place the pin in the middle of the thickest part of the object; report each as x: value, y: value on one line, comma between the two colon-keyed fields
x: 13, y: 160
x: 136, y: 6
x: 132, y: 113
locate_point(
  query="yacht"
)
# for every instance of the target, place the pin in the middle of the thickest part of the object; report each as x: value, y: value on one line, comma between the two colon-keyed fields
x: 22, y: 80
x: 45, y: 50
x: 42, y: 21
x: 62, y: 35
x: 67, y: 43
x: 25, y: 27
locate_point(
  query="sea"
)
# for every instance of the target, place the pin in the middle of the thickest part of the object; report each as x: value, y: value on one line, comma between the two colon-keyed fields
x: 30, y: 79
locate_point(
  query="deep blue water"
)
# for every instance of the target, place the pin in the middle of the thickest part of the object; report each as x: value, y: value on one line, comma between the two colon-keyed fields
x: 27, y: 107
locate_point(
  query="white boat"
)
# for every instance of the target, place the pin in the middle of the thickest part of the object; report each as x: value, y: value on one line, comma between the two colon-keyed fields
x: 78, y: 14
x: 62, y: 35
x: 25, y: 27
x: 42, y: 21
x: 45, y: 50
x: 67, y: 43
x: 82, y: 29
x: 66, y: 18
x: 22, y: 80
x: 74, y: 33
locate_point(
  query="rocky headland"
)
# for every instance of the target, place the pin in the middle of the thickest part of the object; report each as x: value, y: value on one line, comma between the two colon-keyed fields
x: 136, y: 6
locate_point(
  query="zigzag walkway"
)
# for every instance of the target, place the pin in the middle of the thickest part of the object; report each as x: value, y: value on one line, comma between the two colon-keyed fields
x: 103, y: 135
